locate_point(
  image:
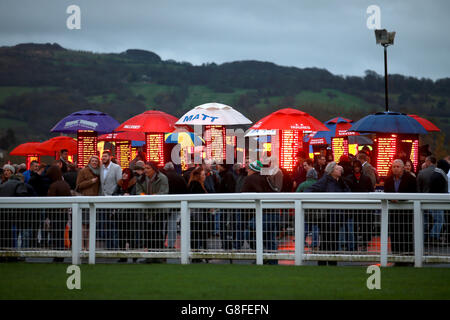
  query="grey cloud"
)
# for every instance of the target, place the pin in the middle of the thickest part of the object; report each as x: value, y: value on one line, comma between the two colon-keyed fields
x: 324, y: 34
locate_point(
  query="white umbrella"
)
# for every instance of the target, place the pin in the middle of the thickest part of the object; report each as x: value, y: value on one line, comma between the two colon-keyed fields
x: 213, y: 114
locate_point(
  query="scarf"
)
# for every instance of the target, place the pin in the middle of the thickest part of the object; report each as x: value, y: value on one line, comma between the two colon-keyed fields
x: 96, y: 172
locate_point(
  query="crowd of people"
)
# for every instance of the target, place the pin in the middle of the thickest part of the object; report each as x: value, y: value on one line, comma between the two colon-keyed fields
x: 103, y: 177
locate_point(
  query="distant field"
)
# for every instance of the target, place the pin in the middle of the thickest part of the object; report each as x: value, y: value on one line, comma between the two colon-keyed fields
x: 208, y: 281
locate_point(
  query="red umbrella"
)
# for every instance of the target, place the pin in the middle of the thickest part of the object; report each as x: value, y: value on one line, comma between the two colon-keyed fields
x: 56, y: 144
x: 122, y: 136
x: 151, y: 121
x: 26, y: 149
x: 290, y: 119
x: 425, y: 123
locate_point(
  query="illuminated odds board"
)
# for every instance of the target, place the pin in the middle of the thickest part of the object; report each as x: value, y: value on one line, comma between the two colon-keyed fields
x: 290, y: 144
x: 155, y: 147
x: 339, y: 147
x: 86, y: 146
x: 123, y: 153
x: 215, y: 139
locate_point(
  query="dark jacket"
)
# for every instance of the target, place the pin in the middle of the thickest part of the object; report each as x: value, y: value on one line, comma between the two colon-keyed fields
x: 328, y: 184
x: 438, y: 183
x: 195, y: 187
x: 364, y: 184
x: 16, y: 188
x: 177, y: 184
x: 423, y: 179
x: 212, y: 181
x: 240, y: 179
x: 320, y: 170
x: 299, y: 174
x: 256, y: 183
x: 71, y: 178
x: 347, y: 166
x: 407, y: 184
x: 40, y: 183
x: 131, y: 189
x: 227, y: 182
x: 59, y: 188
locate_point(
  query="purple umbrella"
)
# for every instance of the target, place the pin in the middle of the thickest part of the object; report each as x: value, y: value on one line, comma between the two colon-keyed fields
x: 86, y: 120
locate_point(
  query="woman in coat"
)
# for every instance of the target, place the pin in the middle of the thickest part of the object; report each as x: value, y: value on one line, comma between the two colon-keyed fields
x: 199, y: 217
x: 88, y: 184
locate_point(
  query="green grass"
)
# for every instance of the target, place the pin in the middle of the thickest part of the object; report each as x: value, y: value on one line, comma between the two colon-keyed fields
x: 206, y: 281
x: 342, y: 100
x: 149, y: 91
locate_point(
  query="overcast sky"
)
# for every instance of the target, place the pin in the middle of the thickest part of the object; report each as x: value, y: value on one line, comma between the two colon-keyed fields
x: 317, y: 33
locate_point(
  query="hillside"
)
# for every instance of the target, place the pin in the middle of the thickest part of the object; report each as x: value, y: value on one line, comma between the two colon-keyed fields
x: 42, y: 83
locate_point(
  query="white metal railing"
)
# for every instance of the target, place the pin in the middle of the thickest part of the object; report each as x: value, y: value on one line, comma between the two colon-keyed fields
x: 396, y: 221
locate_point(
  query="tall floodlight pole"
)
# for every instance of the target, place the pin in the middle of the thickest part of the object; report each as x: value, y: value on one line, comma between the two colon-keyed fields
x: 386, y: 39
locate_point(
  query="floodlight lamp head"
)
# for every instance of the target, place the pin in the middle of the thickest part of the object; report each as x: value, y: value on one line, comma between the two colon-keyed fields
x: 384, y: 37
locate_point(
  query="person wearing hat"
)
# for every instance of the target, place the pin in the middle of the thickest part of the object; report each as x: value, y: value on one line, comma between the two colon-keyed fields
x: 8, y: 171
x: 256, y: 182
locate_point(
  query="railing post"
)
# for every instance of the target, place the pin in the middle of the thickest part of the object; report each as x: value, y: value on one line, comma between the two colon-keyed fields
x: 92, y: 232
x: 418, y: 234
x: 299, y: 233
x: 76, y: 233
x: 185, y: 232
x: 259, y: 232
x: 384, y: 232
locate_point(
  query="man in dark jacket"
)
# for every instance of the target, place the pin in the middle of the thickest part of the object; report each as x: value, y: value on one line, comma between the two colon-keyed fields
x: 320, y: 165
x: 424, y: 176
x: 226, y: 218
x: 332, y: 181
x: 359, y: 182
x: 438, y: 184
x: 255, y: 182
x: 400, y: 224
x: 177, y: 185
x: 299, y: 173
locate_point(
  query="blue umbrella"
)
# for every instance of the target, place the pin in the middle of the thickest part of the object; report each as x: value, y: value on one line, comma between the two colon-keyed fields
x: 86, y: 120
x: 335, y: 125
x: 389, y: 122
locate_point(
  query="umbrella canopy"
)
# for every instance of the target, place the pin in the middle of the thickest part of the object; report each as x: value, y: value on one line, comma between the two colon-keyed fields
x: 25, y: 149
x: 388, y: 122
x: 86, y: 120
x: 256, y: 133
x: 290, y: 119
x: 360, y: 140
x: 122, y: 136
x: 430, y: 127
x: 183, y: 138
x: 56, y: 144
x: 338, y: 127
x: 150, y: 121
x: 213, y: 114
